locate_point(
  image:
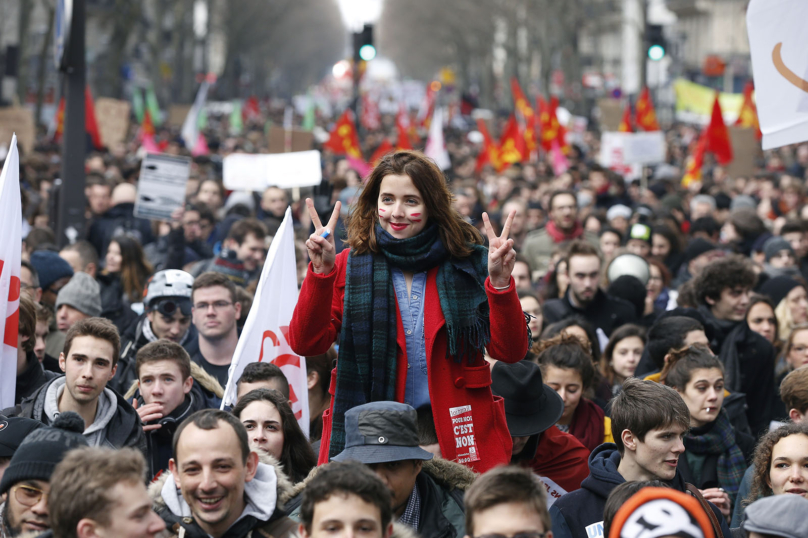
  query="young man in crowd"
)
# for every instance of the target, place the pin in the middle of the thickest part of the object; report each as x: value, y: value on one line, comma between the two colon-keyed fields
x: 185, y: 243
x: 507, y: 501
x: 384, y: 436
x: 242, y: 255
x: 215, y: 313
x: 262, y: 375
x: 562, y: 228
x: 30, y: 373
x: 667, y: 334
x: 88, y: 361
x: 648, y: 445
x: 167, y: 395
x: 29, y: 281
x: 723, y: 289
x: 531, y: 409
x: 100, y: 493
x: 273, y: 207
x: 26, y: 481
x: 584, y: 296
x: 52, y: 273
x: 82, y: 257
x: 345, y: 499
x: 79, y: 299
x: 168, y: 315
x: 218, y: 480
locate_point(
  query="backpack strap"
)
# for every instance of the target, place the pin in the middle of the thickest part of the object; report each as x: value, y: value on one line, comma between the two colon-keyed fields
x: 694, y: 491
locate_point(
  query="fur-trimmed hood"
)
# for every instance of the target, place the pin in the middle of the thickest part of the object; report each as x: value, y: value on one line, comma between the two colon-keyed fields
x: 205, y: 380
x: 284, y: 485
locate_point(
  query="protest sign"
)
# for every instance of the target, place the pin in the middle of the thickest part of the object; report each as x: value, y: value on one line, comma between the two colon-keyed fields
x: 112, y: 116
x: 745, y: 149
x: 161, y: 187
x: 613, y: 156
x: 256, y: 172
x: 177, y: 114
x: 300, y: 140
x: 611, y: 112
x: 17, y: 120
x: 634, y: 148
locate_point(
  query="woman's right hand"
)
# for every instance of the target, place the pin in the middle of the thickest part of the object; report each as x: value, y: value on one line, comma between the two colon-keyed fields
x: 322, y: 250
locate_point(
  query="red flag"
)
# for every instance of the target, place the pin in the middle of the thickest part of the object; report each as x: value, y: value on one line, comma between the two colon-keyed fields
x: 343, y: 139
x: 694, y: 162
x: 512, y: 144
x: 251, y: 111
x: 551, y: 129
x: 371, y: 117
x: 646, y: 116
x: 523, y: 106
x: 60, y: 121
x: 490, y: 152
x: 427, y: 108
x: 147, y: 127
x: 625, y: 125
x: 384, y: 148
x: 90, y: 125
x: 717, y: 135
x: 748, y: 115
x: 10, y: 240
x: 402, y: 124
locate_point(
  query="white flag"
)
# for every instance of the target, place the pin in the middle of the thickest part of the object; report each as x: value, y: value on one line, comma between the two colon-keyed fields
x: 10, y: 248
x: 190, y: 127
x: 435, y: 146
x: 264, y: 338
x: 780, y: 64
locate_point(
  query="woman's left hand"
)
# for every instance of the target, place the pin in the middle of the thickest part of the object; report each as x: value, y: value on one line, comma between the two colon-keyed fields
x: 501, y: 255
x: 719, y: 498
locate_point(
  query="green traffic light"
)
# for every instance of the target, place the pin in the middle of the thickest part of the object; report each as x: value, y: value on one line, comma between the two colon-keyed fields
x: 367, y: 52
x: 656, y: 52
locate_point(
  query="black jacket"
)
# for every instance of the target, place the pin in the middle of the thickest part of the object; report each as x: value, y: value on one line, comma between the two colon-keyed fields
x: 605, y: 312
x: 171, y: 251
x: 33, y: 377
x: 577, y: 510
x: 114, y: 305
x: 119, y: 219
x: 131, y: 341
x: 442, y: 510
x: 124, y: 430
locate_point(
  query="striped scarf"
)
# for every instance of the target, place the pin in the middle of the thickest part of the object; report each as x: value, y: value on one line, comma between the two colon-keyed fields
x: 366, y: 369
x: 720, y: 439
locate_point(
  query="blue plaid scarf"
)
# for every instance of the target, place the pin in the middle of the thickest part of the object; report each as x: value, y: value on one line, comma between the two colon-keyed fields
x: 720, y: 439
x: 366, y: 369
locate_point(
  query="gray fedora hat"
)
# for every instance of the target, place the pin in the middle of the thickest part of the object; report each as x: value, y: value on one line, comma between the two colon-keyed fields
x: 380, y: 432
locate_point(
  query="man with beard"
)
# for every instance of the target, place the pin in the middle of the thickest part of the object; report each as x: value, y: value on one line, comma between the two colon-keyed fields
x: 215, y: 313
x: 585, y: 298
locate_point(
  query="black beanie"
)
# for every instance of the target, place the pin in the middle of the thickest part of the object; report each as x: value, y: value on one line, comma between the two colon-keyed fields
x: 12, y: 432
x: 43, y: 449
x: 630, y: 288
x: 778, y: 287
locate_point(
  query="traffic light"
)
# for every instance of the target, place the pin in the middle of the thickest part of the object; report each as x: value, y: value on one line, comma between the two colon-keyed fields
x: 363, y: 44
x: 655, y: 42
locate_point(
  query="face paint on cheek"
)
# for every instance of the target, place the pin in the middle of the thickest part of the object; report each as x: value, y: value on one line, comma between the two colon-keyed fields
x: 416, y: 215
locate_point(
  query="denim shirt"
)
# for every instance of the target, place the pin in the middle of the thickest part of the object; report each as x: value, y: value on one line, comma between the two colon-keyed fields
x: 411, y: 308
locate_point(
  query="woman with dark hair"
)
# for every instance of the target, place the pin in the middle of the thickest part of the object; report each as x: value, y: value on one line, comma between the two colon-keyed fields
x: 742, y: 229
x: 415, y: 302
x: 660, y: 297
x: 126, y: 272
x: 666, y: 247
x: 761, y: 318
x: 716, y: 453
x: 568, y: 369
x: 576, y: 326
x: 272, y: 429
x: 621, y: 356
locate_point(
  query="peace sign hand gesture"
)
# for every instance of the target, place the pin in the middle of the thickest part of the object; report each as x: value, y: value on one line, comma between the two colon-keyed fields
x: 501, y: 255
x: 322, y: 250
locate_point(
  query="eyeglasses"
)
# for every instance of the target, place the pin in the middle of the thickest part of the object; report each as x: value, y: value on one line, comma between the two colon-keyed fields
x: 218, y: 305
x: 529, y: 534
x: 28, y: 495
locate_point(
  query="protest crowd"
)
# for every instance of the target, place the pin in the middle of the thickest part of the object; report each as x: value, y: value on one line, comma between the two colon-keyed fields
x: 495, y: 347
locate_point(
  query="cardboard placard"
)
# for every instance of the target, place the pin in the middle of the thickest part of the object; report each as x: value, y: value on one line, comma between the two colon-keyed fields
x: 18, y: 120
x: 611, y: 114
x: 301, y: 140
x: 112, y: 116
x: 177, y: 114
x: 637, y: 148
x: 257, y: 171
x: 161, y: 186
x: 745, y: 148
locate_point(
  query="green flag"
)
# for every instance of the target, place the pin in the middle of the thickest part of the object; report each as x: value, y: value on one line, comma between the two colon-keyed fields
x: 137, y: 104
x: 154, y: 106
x: 308, y: 117
x: 236, y: 123
x: 202, y: 119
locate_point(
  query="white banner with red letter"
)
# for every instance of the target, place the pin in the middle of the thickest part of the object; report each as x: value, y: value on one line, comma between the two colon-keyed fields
x: 10, y: 250
x: 264, y: 337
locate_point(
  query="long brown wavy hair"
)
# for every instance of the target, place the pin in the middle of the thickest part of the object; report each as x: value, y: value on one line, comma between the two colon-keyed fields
x: 455, y: 233
x: 763, y: 459
x: 135, y: 269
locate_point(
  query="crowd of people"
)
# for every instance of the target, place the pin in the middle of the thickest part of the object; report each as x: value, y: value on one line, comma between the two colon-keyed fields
x: 489, y: 354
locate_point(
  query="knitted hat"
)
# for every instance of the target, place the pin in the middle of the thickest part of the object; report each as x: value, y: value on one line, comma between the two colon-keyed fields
x: 778, y: 515
x: 50, y: 267
x: 696, y: 247
x: 775, y: 245
x: 230, y: 266
x: 12, y: 432
x: 778, y: 287
x: 658, y: 512
x: 82, y: 293
x: 742, y: 201
x: 43, y: 449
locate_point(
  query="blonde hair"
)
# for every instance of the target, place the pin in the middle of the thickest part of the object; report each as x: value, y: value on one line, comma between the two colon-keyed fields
x: 785, y: 323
